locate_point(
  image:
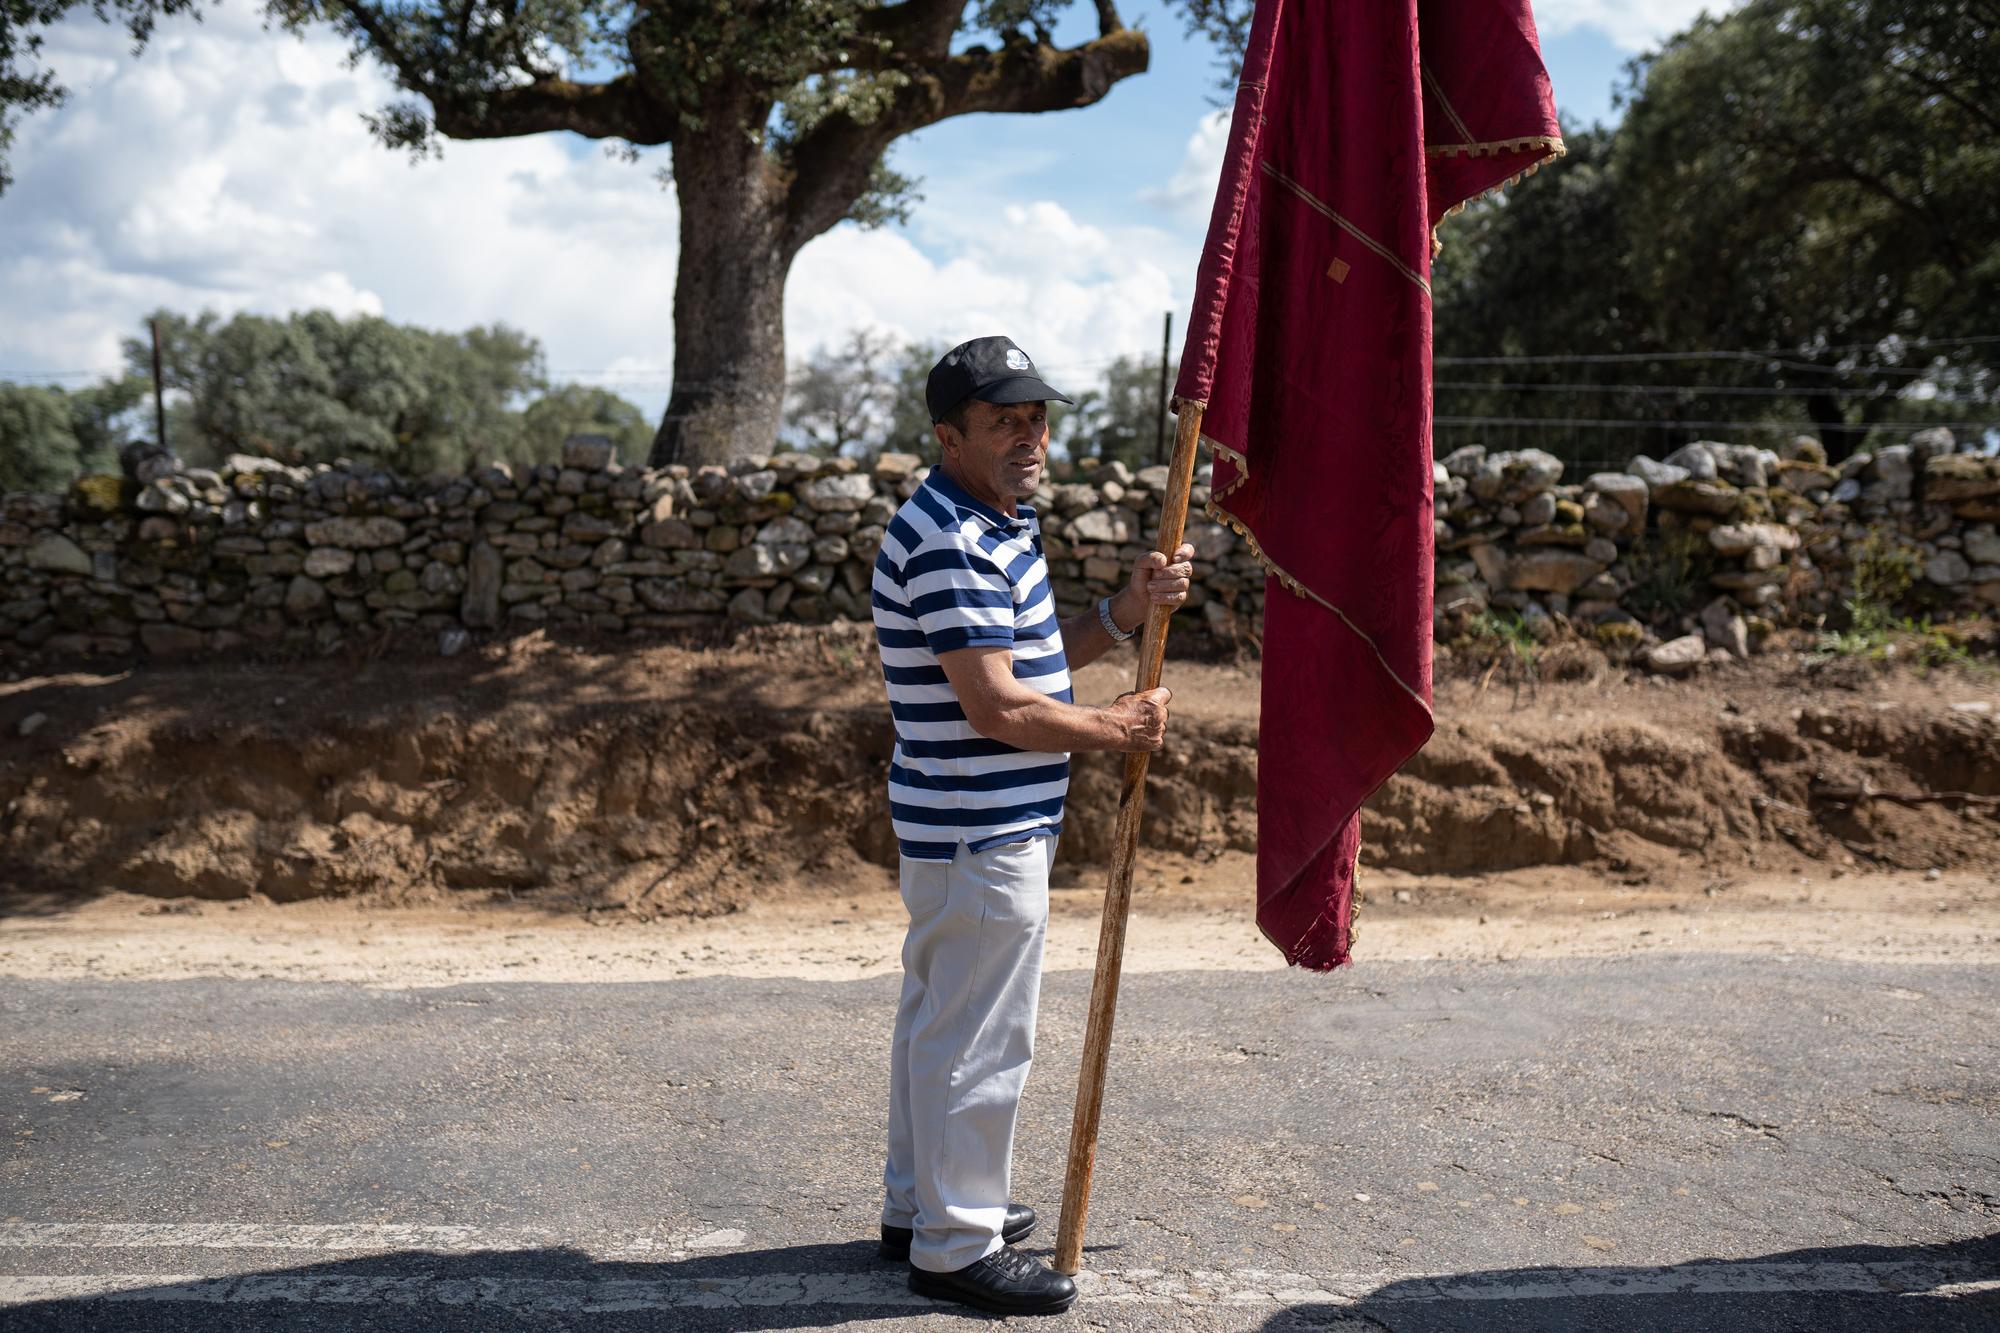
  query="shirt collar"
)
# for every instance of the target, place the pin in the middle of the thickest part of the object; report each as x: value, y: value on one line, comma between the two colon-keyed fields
x: 964, y: 499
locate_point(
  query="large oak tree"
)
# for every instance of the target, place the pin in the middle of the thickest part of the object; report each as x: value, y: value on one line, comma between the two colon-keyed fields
x: 779, y: 113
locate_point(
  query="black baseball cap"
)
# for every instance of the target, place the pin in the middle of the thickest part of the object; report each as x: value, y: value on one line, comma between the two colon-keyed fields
x: 993, y: 370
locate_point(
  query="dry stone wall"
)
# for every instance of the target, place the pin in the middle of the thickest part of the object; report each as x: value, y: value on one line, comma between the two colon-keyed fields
x: 168, y: 561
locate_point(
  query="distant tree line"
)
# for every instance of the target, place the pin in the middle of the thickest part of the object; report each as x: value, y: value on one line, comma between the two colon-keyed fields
x: 314, y: 387
x: 867, y: 395
x: 310, y: 388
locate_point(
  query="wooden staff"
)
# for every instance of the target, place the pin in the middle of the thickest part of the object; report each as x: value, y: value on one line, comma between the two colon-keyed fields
x: 1118, y: 897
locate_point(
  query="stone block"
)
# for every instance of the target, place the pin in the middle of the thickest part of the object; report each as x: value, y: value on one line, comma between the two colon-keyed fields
x: 1549, y: 570
x: 588, y: 453
x: 1952, y: 477
x: 838, y: 493
x: 54, y: 553
x: 1111, y: 526
x: 1514, y: 476
x: 1697, y: 497
x: 1677, y: 657
x: 368, y: 533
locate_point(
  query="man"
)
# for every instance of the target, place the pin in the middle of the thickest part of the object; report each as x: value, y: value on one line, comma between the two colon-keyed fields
x: 977, y: 669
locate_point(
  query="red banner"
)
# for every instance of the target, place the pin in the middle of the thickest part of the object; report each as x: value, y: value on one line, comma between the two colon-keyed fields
x: 1357, y: 128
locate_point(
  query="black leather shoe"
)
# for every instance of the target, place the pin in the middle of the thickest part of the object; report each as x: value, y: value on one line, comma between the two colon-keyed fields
x: 1019, y: 1222
x: 1005, y: 1282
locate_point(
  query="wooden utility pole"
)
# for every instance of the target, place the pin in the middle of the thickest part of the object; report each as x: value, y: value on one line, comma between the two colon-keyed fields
x: 159, y: 396
x: 1160, y: 419
x: 1118, y: 897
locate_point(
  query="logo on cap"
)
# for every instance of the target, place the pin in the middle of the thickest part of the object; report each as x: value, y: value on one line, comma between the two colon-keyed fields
x: 1018, y: 359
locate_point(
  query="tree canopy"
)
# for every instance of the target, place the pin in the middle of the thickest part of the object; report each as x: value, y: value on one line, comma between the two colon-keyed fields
x: 312, y: 387
x: 1816, y: 176
x: 1120, y: 416
x: 49, y: 435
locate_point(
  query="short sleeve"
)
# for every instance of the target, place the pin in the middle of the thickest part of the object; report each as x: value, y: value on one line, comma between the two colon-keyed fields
x: 960, y: 596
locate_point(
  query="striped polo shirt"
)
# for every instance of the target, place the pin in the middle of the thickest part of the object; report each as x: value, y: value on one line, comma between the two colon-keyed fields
x: 954, y: 572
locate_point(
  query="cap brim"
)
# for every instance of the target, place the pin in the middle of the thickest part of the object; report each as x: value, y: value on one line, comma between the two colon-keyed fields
x: 1022, y: 389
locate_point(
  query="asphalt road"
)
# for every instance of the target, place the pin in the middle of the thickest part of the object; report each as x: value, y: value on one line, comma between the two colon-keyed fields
x: 1685, y: 1142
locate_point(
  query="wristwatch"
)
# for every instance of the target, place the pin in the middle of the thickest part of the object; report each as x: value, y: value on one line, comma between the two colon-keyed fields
x: 1110, y: 625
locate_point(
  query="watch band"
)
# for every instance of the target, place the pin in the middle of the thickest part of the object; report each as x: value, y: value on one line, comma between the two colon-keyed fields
x: 1110, y: 625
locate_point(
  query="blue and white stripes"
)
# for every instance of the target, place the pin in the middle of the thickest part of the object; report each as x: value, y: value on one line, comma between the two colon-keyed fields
x: 954, y: 573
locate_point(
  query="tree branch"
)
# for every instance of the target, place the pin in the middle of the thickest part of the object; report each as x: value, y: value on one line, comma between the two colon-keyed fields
x: 614, y: 110
x: 831, y: 164
x: 1945, y: 89
x: 893, y: 34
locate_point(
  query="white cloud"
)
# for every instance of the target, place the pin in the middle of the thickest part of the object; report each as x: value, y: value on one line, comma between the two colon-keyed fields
x: 228, y: 169
x: 1073, y: 295
x: 1634, y: 25
x: 1190, y: 192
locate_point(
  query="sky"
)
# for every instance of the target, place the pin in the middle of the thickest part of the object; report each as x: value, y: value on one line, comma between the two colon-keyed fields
x: 227, y: 168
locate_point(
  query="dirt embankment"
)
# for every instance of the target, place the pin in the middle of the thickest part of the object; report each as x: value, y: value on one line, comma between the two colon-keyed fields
x: 688, y: 779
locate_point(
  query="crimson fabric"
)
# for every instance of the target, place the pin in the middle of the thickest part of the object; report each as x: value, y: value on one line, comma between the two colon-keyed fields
x: 1357, y: 127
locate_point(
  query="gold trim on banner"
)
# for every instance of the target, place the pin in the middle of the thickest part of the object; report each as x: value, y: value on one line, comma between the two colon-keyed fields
x: 1320, y: 206
x: 1496, y: 147
x: 1230, y: 521
x: 1556, y: 148
x: 1256, y: 548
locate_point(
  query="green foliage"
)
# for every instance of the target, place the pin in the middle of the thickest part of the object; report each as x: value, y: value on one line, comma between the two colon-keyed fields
x: 1670, y: 571
x: 1505, y: 631
x: 577, y: 409
x: 1882, y: 571
x: 1226, y: 23
x: 841, y: 401
x: 1880, y: 637
x: 1120, y: 418
x: 909, y: 418
x: 313, y: 387
x: 1810, y: 174
x: 49, y: 436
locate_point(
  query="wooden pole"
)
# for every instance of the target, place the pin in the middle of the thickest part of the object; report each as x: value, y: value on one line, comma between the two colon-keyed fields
x: 1160, y: 421
x: 1118, y: 897
x: 159, y: 392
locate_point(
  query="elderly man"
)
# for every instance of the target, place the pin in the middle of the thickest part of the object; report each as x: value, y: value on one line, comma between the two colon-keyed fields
x: 977, y: 668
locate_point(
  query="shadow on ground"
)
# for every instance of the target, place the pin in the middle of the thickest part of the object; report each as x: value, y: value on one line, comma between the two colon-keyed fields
x: 1848, y: 1289
x: 1857, y: 1288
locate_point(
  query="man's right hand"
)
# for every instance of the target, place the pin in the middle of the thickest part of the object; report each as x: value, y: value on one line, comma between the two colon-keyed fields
x: 1142, y: 718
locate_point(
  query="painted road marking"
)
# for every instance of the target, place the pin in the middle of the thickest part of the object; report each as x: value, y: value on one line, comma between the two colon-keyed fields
x: 1241, y: 1287
x: 352, y: 1237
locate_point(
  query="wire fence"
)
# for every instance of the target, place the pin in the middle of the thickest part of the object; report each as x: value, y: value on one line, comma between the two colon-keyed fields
x: 1637, y: 416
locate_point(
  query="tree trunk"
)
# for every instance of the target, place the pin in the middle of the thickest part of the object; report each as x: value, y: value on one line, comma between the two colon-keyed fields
x: 1831, y: 423
x: 729, y: 298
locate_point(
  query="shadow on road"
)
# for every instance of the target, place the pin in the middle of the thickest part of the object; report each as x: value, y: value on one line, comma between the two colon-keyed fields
x: 1856, y: 1288
x: 1848, y: 1289
x: 504, y: 1291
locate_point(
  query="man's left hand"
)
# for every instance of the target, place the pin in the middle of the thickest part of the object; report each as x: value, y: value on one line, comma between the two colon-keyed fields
x: 1156, y: 581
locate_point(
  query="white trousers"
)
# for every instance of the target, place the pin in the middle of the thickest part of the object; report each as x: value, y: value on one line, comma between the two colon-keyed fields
x: 965, y: 1033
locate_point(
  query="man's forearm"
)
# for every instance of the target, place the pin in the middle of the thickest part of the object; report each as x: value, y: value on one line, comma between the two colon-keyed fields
x: 1037, y: 722
x: 1084, y: 639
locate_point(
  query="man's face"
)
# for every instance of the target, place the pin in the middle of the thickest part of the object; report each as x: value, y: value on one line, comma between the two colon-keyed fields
x: 1000, y: 455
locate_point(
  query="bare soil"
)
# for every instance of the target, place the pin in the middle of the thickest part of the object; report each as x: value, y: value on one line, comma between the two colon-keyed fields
x: 590, y: 782
x: 1520, y: 916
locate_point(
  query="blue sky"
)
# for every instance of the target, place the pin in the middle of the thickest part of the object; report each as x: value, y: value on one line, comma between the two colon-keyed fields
x: 227, y: 169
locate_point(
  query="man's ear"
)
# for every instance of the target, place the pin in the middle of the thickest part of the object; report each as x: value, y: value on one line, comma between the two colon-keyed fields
x: 947, y: 437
